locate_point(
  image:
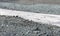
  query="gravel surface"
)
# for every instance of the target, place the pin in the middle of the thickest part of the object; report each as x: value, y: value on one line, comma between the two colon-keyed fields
x: 17, y: 26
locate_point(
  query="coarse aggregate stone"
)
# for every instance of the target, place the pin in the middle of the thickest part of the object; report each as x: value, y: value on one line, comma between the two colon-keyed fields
x: 17, y: 26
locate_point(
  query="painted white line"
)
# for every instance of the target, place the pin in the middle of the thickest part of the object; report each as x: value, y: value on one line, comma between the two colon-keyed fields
x: 37, y: 17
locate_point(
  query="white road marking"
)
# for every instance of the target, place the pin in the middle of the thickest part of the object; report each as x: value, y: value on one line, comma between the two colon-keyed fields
x: 36, y: 17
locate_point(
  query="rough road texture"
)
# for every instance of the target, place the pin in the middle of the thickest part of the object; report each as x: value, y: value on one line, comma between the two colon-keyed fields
x: 39, y: 8
x: 17, y: 26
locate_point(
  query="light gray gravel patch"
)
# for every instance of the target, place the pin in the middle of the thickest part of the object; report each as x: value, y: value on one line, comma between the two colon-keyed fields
x: 39, y: 8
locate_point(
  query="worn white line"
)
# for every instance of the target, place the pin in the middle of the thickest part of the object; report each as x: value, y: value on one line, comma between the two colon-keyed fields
x: 37, y: 17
